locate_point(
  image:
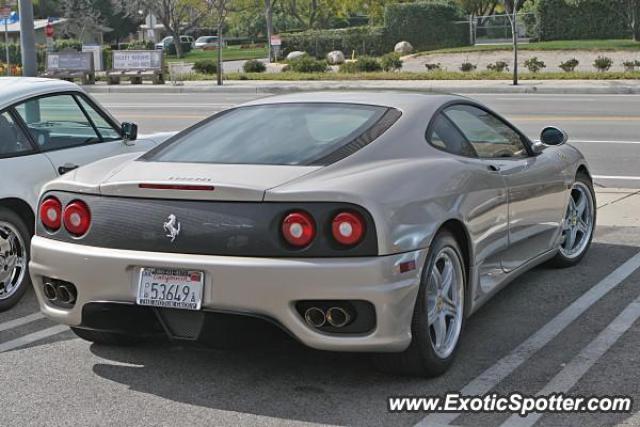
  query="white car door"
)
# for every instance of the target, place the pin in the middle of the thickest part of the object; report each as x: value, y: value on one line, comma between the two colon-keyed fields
x: 72, y: 132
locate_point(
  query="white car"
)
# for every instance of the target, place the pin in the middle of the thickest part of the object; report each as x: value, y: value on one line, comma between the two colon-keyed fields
x: 208, y: 42
x: 168, y: 41
x: 47, y: 128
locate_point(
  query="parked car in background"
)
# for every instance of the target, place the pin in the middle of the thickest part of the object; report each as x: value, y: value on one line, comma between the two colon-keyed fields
x: 355, y: 221
x: 208, y: 42
x: 47, y: 128
x: 167, y: 42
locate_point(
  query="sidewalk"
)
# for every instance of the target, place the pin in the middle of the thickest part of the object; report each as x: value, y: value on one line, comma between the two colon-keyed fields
x: 618, y: 207
x: 451, y: 86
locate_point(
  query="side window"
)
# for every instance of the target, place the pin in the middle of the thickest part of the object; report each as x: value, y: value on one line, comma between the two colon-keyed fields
x: 107, y: 132
x: 13, y: 141
x: 491, y: 137
x: 57, y: 122
x: 444, y: 135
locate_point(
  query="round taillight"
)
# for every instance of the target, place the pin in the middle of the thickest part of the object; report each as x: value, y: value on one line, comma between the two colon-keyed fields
x: 51, y: 213
x: 77, y: 218
x: 348, y: 228
x: 298, y: 229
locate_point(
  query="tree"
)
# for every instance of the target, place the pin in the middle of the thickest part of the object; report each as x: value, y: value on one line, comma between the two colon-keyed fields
x: 83, y: 17
x: 511, y: 8
x: 219, y: 11
x: 631, y: 11
x: 177, y: 16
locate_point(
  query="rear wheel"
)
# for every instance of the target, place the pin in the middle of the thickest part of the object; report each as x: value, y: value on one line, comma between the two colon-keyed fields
x: 578, y: 224
x: 106, y: 338
x: 438, y: 315
x: 15, y: 241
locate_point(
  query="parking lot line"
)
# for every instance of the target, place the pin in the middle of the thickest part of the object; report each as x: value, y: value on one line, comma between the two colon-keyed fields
x: 509, y: 363
x: 579, y: 365
x: 20, y: 321
x: 36, y: 336
x: 626, y: 178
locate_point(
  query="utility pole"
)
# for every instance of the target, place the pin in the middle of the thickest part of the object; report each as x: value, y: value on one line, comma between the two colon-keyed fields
x: 27, y: 39
x: 5, y: 13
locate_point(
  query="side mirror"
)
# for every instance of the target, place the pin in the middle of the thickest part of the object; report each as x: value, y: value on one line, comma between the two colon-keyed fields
x: 553, y: 136
x: 129, y: 131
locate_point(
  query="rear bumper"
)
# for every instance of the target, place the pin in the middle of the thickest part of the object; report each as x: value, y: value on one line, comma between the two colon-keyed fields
x: 266, y: 287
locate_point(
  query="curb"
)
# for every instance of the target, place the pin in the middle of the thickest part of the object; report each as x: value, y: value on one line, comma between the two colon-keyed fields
x: 372, y: 85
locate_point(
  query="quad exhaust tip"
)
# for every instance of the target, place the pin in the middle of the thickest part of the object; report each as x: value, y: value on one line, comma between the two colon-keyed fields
x: 336, y: 317
x: 315, y: 317
x: 49, y: 291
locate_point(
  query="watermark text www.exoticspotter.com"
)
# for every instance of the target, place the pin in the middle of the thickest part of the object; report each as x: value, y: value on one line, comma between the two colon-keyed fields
x: 514, y: 403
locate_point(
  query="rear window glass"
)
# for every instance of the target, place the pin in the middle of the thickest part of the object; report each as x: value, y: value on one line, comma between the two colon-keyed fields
x: 280, y: 134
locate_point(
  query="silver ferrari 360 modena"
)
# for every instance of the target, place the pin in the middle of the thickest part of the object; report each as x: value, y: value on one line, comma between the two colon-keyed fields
x: 371, y: 222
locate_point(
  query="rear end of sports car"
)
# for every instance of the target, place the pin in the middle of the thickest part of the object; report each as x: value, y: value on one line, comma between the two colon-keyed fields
x: 166, y: 243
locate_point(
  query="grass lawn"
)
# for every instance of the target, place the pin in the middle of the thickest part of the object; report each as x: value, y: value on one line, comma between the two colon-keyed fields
x: 436, y: 75
x: 552, y: 45
x: 231, y: 53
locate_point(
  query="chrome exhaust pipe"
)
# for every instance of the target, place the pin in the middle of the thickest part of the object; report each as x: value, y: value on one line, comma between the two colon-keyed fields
x: 65, y: 295
x: 338, y: 317
x: 49, y: 291
x: 315, y: 317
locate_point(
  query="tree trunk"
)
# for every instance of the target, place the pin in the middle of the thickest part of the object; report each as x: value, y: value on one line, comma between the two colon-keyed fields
x: 220, y: 71
x: 268, y: 12
x: 635, y: 20
x: 177, y: 43
x: 514, y: 33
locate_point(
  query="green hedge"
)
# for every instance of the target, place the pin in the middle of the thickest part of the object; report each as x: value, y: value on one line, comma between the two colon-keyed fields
x: 427, y: 25
x: 362, y: 40
x: 579, y: 19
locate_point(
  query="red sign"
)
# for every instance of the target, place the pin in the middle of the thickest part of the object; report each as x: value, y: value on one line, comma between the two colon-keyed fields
x: 48, y: 30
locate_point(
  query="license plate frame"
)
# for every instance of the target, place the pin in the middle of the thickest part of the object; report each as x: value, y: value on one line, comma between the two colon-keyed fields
x: 165, y: 288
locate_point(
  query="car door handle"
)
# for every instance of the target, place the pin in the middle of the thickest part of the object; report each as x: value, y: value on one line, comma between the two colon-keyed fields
x: 67, y: 168
x: 493, y: 168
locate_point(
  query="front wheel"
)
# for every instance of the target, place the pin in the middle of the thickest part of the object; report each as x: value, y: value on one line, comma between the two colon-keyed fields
x: 14, y: 258
x: 438, y: 315
x: 578, y: 224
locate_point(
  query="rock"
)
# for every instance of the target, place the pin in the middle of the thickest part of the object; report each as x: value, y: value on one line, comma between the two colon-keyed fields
x: 295, y: 55
x: 403, y: 48
x: 335, y: 57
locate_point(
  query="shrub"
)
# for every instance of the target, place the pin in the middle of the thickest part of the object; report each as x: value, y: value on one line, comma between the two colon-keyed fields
x: 205, y: 66
x: 427, y: 25
x: 391, y: 62
x: 584, y: 19
x: 570, y: 65
x: 306, y: 64
x: 603, y: 63
x: 467, y: 67
x: 534, y: 64
x: 498, y: 66
x: 348, y: 67
x: 367, y: 64
x: 141, y: 45
x: 254, y: 66
x: 433, y: 67
x: 362, y: 40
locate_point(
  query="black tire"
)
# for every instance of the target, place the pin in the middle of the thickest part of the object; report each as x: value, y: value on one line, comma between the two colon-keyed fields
x: 106, y: 338
x: 420, y: 359
x: 560, y: 260
x: 9, y: 216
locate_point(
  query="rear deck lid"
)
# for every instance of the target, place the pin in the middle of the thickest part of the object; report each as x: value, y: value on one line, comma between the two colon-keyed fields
x: 199, y: 181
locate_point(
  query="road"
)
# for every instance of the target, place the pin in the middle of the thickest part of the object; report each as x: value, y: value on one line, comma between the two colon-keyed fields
x: 605, y: 127
x: 550, y: 329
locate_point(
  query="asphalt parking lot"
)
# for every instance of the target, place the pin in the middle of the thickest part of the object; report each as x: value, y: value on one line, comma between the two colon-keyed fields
x: 574, y: 330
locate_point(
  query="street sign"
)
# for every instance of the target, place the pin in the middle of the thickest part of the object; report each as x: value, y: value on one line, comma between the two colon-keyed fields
x: 5, y: 11
x: 276, y: 40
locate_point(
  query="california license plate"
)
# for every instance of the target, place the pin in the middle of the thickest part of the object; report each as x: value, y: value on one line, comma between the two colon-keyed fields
x: 167, y: 288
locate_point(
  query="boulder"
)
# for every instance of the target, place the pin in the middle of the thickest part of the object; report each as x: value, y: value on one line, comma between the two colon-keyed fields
x: 295, y: 55
x: 403, y: 48
x: 335, y: 57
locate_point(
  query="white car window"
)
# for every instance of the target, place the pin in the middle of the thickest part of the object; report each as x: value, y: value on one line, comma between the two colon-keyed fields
x: 106, y: 130
x: 57, y: 122
x: 13, y: 141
